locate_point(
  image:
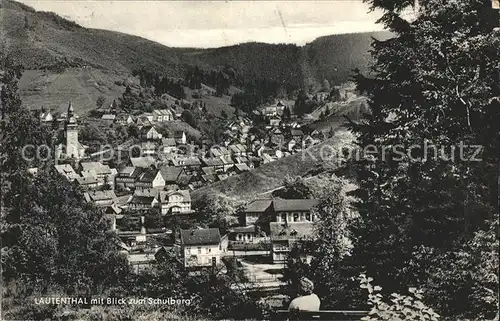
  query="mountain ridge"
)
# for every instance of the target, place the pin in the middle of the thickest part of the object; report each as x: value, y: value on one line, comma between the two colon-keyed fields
x: 57, y: 46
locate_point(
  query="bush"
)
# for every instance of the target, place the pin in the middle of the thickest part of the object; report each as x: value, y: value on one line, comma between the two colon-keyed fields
x: 400, y: 308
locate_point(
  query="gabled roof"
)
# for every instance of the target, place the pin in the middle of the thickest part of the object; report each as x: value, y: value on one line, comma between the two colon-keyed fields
x: 144, y: 162
x: 145, y: 130
x: 87, y: 180
x: 296, y: 132
x: 146, y: 200
x: 289, y: 205
x: 97, y: 167
x: 170, y: 173
x: 148, y: 175
x: 213, y: 162
x: 164, y: 195
x: 258, y: 206
x: 168, y: 142
x: 200, y: 236
x: 99, y: 195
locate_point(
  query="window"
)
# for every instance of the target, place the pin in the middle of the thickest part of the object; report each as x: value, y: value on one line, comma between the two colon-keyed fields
x: 308, y: 216
x: 209, y: 250
x: 199, y: 250
x: 283, y: 217
x: 295, y: 217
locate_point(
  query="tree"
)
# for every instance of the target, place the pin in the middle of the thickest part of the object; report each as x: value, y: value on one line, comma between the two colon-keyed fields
x: 187, y: 116
x: 218, y: 211
x: 335, y: 94
x: 326, y: 85
x: 223, y: 114
x: 100, y: 101
x: 446, y: 95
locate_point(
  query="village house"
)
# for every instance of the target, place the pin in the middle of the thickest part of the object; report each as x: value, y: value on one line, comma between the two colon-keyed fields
x: 216, y: 163
x: 175, y: 202
x: 168, y: 145
x: 148, y: 148
x: 244, y: 234
x: 108, y: 117
x: 280, y: 210
x: 256, y: 209
x: 142, y: 202
x: 283, y: 236
x: 142, y: 121
x: 238, y: 150
x: 67, y: 171
x: 162, y: 115
x: 180, y: 138
x: 88, y: 182
x: 144, y: 162
x: 96, y: 169
x: 171, y: 174
x: 149, y: 133
x: 189, y: 164
x: 100, y: 198
x: 297, y: 134
x: 127, y: 176
x: 46, y: 117
x: 202, y: 247
x: 150, y: 178
x: 124, y: 119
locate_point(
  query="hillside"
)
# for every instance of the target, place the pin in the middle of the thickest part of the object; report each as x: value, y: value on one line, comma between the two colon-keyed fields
x: 61, y: 48
x: 256, y: 183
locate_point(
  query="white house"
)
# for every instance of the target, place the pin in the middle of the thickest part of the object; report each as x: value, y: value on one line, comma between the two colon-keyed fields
x: 149, y: 133
x: 202, y: 247
x: 175, y: 202
x: 150, y: 178
x: 162, y: 115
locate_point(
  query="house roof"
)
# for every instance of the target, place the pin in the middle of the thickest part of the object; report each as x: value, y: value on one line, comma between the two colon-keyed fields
x: 167, y: 112
x: 151, y: 192
x: 186, y: 161
x: 99, y: 195
x: 259, y: 205
x: 213, y: 161
x: 168, y: 142
x: 144, y: 162
x: 170, y: 173
x: 244, y: 229
x: 200, y: 236
x: 113, y: 209
x: 292, y: 231
x: 242, y: 167
x: 145, y: 130
x: 149, y: 175
x: 289, y: 205
x: 87, y: 180
x: 296, y: 132
x: 136, y: 199
x: 208, y: 170
x: 108, y: 117
x: 164, y: 195
x: 97, y: 167
x: 67, y: 171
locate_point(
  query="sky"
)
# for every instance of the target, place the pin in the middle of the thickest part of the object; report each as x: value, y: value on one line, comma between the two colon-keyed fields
x: 208, y: 24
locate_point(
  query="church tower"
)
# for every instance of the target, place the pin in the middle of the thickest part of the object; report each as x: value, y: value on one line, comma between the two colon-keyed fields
x: 71, y: 134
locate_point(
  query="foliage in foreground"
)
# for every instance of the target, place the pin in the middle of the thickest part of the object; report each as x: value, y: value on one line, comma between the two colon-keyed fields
x: 399, y: 307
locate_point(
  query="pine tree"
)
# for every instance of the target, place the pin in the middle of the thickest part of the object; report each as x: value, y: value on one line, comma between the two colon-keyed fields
x: 445, y: 94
